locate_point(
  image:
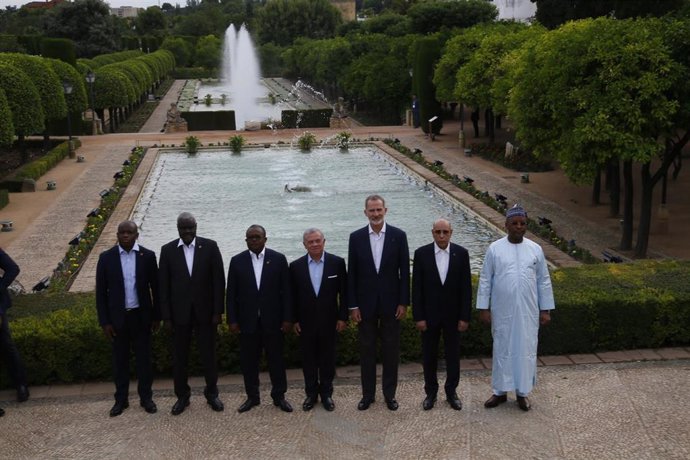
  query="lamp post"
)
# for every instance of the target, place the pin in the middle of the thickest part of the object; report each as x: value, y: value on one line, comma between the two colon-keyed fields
x: 90, y: 79
x: 67, y: 88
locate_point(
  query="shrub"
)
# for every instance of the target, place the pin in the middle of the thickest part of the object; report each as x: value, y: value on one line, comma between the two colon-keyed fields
x: 192, y: 144
x: 236, y: 143
x: 342, y: 140
x: 598, y: 307
x: 306, y: 141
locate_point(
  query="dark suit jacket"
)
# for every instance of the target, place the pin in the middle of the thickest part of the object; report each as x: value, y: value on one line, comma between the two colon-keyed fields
x: 11, y: 270
x: 110, y: 287
x: 273, y: 301
x: 436, y: 303
x: 202, y: 293
x: 389, y: 287
x: 319, y: 314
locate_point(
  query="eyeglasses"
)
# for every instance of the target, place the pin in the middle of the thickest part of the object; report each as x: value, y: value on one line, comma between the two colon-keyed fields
x: 255, y: 237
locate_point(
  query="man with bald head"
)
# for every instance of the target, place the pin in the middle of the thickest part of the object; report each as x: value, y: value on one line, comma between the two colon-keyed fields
x: 441, y: 302
x: 128, y: 311
x: 192, y: 292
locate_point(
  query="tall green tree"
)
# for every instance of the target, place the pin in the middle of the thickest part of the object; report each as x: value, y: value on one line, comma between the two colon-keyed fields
x: 88, y: 23
x: 24, y: 102
x: 282, y: 21
x: 430, y: 17
x: 6, y: 126
x: 208, y: 51
x: 596, y: 90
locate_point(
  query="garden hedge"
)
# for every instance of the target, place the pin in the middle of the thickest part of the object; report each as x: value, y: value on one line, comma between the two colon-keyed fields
x: 598, y: 307
x: 37, y: 168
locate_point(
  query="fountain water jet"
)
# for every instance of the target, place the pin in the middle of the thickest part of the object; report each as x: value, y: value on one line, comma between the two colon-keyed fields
x: 241, y: 75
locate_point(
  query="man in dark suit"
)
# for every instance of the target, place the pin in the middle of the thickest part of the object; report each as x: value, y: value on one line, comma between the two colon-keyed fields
x: 441, y: 300
x: 319, y: 284
x: 10, y: 355
x: 128, y: 311
x: 378, y: 295
x: 259, y: 309
x: 192, y: 284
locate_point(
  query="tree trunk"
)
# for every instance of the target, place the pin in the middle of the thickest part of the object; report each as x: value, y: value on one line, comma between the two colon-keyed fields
x: 627, y: 227
x: 490, y: 120
x: 596, y: 189
x: 671, y: 151
x: 645, y: 213
x: 615, y: 187
x: 475, y: 121
x: 111, y: 119
x: 22, y: 148
x: 498, y: 122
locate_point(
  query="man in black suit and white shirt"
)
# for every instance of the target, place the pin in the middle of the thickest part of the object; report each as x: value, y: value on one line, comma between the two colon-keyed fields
x: 319, y: 284
x: 259, y: 308
x: 192, y: 288
x: 128, y: 312
x: 378, y: 294
x: 441, y: 301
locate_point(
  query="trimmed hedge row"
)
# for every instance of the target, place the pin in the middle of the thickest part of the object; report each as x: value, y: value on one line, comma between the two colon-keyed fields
x: 603, y: 307
x: 39, y: 167
x: 4, y: 198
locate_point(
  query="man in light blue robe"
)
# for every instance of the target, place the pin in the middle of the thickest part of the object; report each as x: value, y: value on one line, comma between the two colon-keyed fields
x: 515, y: 297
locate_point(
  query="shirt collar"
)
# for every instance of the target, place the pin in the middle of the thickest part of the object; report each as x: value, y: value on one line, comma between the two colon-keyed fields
x: 181, y: 243
x: 437, y: 249
x: 310, y: 260
x: 383, y: 229
x: 259, y: 255
x: 134, y: 248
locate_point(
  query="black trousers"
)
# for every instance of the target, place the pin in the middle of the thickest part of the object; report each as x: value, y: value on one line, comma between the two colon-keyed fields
x: 318, y: 361
x: 10, y: 355
x: 388, y: 328
x: 135, y: 334
x: 251, y: 345
x: 205, y: 333
x: 451, y: 346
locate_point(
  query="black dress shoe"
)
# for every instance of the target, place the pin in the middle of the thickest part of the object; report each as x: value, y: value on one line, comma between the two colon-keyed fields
x: 149, y: 406
x: 364, y: 403
x: 118, y: 407
x: 2, y: 411
x: 523, y: 403
x: 454, y: 402
x: 22, y: 393
x: 495, y: 400
x: 283, y: 404
x: 179, y: 406
x: 392, y: 404
x: 216, y: 404
x: 429, y: 402
x: 328, y: 403
x: 248, y: 404
x: 308, y: 403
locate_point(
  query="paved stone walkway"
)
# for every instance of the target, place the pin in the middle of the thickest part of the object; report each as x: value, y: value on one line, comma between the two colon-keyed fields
x: 616, y: 407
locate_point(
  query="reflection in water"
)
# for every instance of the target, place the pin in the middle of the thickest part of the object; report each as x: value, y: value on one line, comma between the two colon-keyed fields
x: 228, y: 192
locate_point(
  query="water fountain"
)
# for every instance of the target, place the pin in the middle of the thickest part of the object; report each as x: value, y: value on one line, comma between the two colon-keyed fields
x: 257, y: 101
x: 241, y: 76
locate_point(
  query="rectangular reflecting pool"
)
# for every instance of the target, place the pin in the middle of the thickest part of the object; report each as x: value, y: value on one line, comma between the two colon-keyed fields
x: 227, y: 192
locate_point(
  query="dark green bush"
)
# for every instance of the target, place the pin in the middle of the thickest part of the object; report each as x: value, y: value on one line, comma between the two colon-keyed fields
x: 39, y: 167
x: 598, y: 307
x: 320, y: 118
x: 208, y: 121
x: 4, y: 198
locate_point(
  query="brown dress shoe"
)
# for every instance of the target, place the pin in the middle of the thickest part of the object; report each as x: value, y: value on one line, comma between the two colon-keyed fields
x: 523, y: 403
x: 495, y: 400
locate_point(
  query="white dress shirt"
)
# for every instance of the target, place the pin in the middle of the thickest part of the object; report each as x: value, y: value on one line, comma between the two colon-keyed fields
x: 188, y: 253
x: 376, y: 241
x: 128, y: 261
x: 258, y: 264
x: 442, y: 260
